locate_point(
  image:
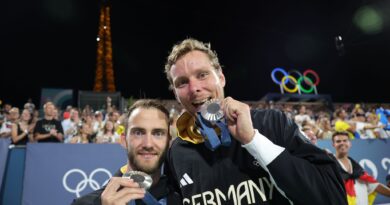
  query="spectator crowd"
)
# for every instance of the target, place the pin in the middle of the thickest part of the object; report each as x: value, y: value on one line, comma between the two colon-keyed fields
x: 85, y: 125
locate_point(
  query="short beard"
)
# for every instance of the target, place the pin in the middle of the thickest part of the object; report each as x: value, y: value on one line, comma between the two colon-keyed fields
x: 148, y: 170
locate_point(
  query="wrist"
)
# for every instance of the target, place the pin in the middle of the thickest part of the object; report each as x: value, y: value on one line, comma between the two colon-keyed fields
x: 249, y: 137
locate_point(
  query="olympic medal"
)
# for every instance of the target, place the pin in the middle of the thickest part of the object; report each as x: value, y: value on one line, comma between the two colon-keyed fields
x: 144, y: 180
x: 212, y: 110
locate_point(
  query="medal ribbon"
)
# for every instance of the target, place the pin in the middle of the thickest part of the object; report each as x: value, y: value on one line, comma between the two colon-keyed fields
x: 211, y: 138
x: 150, y: 200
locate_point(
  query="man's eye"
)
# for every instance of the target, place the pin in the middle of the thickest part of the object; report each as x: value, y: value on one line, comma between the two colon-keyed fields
x: 180, y: 83
x: 137, y: 133
x: 203, y: 75
x: 159, y: 134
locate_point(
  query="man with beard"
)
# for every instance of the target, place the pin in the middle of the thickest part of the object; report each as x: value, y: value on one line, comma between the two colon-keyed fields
x: 360, y: 186
x: 257, y: 157
x: 147, y: 139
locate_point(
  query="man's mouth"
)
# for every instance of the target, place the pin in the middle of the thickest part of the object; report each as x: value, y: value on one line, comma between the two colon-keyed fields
x: 198, y: 103
x: 147, y: 155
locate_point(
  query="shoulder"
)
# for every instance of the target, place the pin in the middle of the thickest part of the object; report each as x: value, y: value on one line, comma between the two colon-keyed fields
x: 15, y: 125
x: 177, y: 148
x: 40, y: 121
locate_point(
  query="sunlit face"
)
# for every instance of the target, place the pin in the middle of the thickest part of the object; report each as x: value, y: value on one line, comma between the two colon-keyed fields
x: 342, y: 144
x: 195, y: 80
x: 14, y: 114
x: 26, y: 115
x: 86, y: 129
x: 343, y: 114
x: 49, y: 110
x: 109, y: 125
x: 312, y: 137
x: 302, y: 110
x: 74, y: 114
x: 147, y: 139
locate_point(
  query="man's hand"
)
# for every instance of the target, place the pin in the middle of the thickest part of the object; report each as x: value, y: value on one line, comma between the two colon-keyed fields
x: 238, y: 119
x: 53, y: 132
x: 119, y: 191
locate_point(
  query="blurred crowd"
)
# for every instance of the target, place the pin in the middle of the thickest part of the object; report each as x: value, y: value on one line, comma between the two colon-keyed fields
x: 320, y: 121
x: 85, y: 125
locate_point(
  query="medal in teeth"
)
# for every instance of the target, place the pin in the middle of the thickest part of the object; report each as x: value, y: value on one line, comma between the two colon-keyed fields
x: 211, y: 110
x: 144, y: 180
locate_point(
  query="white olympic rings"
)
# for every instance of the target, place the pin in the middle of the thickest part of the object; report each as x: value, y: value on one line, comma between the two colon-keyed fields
x: 87, y: 180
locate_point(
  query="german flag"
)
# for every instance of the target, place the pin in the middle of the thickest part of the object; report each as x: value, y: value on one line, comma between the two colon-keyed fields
x: 349, y: 181
x: 350, y: 189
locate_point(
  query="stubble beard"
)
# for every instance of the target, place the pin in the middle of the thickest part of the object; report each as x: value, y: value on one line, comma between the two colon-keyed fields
x: 138, y: 166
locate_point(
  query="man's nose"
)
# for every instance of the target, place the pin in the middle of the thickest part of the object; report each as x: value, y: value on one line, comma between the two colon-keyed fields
x: 147, y: 141
x: 194, y: 86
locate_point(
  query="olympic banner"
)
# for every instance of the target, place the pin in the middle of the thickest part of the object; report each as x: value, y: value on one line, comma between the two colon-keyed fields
x: 4, y: 143
x: 372, y: 155
x: 301, y: 83
x: 58, y: 173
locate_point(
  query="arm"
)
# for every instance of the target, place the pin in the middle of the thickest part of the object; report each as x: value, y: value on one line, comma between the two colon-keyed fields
x: 3, y: 131
x: 59, y: 131
x: 280, y: 146
x: 39, y: 136
x: 59, y: 136
x: 108, y: 104
x: 382, y: 189
x: 351, y: 128
x: 14, y: 134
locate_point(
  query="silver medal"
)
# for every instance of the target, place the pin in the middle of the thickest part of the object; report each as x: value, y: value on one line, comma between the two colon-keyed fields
x: 212, y: 110
x: 144, y: 180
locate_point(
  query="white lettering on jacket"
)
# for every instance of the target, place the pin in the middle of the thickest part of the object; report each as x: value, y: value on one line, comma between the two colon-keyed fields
x: 245, y: 192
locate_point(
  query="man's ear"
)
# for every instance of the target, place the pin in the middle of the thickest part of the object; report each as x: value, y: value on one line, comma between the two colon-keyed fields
x: 123, y: 140
x: 221, y: 77
x: 177, y: 98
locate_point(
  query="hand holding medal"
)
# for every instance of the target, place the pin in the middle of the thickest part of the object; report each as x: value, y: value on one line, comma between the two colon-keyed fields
x: 145, y: 181
x: 211, y: 115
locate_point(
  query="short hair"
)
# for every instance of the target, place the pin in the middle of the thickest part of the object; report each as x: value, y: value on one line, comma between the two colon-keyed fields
x: 338, y: 111
x: 47, y: 104
x: 306, y: 128
x: 185, y: 47
x: 339, y: 133
x: 147, y: 104
x: 14, y: 110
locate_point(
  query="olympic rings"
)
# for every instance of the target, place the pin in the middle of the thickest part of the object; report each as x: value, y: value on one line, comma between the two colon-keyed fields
x: 273, y: 74
x: 315, y: 75
x: 285, y: 78
x: 303, y: 89
x: 298, y: 84
x: 86, y: 180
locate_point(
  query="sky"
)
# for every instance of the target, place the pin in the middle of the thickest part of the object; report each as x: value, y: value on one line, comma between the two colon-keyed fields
x: 52, y: 44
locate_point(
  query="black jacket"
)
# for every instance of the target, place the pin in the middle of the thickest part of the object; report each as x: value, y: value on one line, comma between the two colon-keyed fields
x: 159, y: 190
x: 230, y: 175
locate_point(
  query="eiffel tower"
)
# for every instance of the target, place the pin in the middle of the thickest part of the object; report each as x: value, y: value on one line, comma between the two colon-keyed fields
x: 104, y: 75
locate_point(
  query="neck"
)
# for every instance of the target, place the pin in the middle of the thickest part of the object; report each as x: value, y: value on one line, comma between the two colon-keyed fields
x: 341, y: 156
x: 49, y: 117
x: 24, y: 122
x: 156, y: 176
